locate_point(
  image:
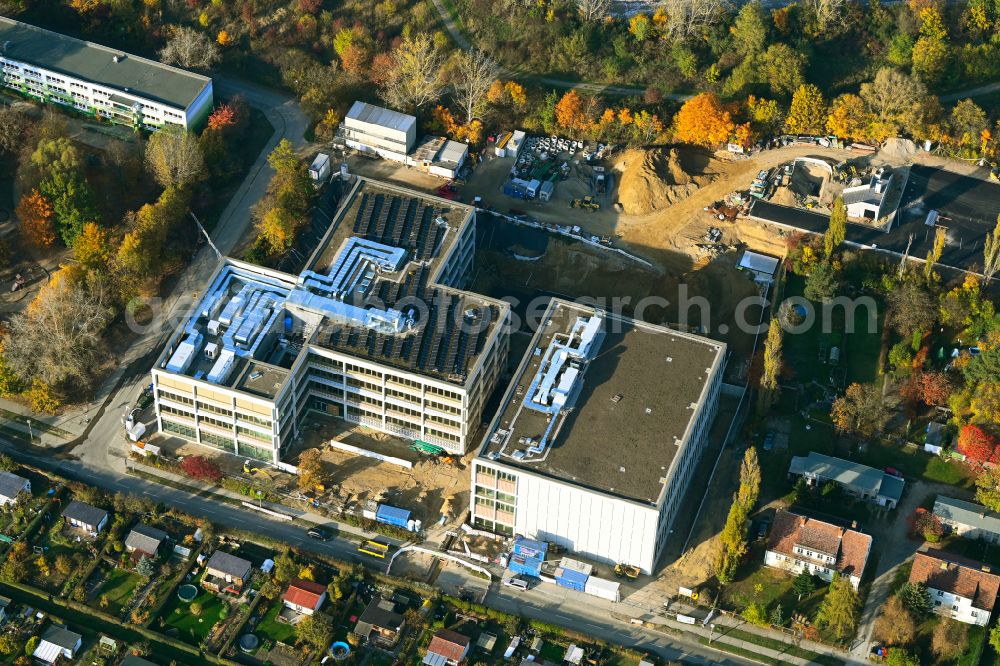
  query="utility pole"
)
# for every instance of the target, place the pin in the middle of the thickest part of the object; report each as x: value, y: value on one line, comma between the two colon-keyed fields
x: 902, y: 261
x: 207, y: 237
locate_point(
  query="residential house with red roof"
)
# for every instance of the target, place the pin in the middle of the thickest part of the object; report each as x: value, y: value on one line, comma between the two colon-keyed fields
x: 447, y: 648
x: 961, y: 589
x: 798, y: 544
x: 304, y: 596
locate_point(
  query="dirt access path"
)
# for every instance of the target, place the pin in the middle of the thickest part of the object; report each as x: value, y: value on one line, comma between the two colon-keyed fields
x: 668, y: 234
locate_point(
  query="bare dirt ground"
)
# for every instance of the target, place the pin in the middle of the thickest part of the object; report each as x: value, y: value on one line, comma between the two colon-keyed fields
x: 425, y: 489
x: 392, y: 172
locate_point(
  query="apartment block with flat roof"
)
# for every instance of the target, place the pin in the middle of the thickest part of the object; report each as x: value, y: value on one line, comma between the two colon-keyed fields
x: 103, y: 82
x: 377, y: 330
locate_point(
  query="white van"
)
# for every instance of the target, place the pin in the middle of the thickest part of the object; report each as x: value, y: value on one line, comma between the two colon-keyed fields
x: 516, y: 581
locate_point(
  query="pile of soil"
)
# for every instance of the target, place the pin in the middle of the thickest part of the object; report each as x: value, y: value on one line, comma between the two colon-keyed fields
x: 660, y: 177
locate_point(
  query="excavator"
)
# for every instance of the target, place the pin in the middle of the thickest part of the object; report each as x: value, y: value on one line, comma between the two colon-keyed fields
x: 629, y: 571
x: 587, y: 203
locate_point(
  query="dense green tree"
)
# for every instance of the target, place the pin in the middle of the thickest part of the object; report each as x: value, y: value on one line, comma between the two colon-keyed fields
x: 316, y: 630
x: 931, y: 52
x: 822, y: 282
x: 916, y: 599
x: 804, y: 585
x: 837, y: 230
x: 750, y: 29
x: 772, y: 366
x: 839, y: 610
x: 860, y: 411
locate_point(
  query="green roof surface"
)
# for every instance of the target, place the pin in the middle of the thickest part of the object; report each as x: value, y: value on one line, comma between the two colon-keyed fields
x: 94, y: 63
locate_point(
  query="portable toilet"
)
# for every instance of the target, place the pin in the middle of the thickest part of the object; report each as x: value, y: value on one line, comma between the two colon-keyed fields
x: 392, y: 515
x: 532, y: 188
x: 545, y: 191
x: 319, y: 170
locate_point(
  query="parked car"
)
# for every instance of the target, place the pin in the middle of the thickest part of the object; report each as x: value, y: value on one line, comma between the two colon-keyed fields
x: 769, y: 440
x: 763, y: 526
x: 319, y: 533
x: 892, y: 471
x: 519, y: 582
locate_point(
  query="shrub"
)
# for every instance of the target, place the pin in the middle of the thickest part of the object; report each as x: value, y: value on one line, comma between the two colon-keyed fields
x: 201, y: 468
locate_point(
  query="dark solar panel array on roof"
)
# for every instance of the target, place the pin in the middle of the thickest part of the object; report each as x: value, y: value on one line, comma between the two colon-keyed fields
x: 439, y: 343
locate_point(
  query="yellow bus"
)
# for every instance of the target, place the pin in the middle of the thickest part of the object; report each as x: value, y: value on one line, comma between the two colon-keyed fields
x: 374, y: 548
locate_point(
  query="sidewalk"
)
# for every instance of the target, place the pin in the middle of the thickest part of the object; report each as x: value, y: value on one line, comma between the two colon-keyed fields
x: 725, y: 624
x: 203, y: 488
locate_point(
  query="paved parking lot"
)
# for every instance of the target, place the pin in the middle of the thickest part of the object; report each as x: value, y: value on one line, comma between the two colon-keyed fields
x: 968, y: 209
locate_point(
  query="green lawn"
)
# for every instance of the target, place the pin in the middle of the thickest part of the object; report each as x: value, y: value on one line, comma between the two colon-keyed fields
x: 118, y: 589
x: 809, y: 352
x: 775, y: 587
x: 190, y: 628
x: 270, y: 627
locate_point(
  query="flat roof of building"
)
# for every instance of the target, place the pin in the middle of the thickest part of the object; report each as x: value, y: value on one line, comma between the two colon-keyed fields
x: 381, y: 116
x: 619, y: 436
x: 95, y: 63
x: 451, y: 327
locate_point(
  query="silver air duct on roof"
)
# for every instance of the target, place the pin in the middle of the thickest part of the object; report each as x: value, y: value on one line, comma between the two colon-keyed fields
x: 558, y: 379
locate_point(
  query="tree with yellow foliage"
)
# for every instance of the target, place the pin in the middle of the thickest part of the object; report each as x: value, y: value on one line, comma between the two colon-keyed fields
x: 224, y: 38
x: 640, y: 26
x: 703, y: 120
x: 37, y: 219
x: 277, y: 228
x: 807, y: 113
x: 848, y: 117
x: 92, y: 248
x: 931, y: 51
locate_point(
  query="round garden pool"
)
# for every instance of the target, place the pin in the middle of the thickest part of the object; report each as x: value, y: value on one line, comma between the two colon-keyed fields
x: 340, y: 650
x: 187, y: 593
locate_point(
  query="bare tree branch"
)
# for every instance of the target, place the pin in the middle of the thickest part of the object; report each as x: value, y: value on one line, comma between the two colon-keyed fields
x: 593, y: 10
x: 415, y: 77
x: 685, y: 18
x: 475, y: 74
x: 189, y: 48
x: 58, y: 339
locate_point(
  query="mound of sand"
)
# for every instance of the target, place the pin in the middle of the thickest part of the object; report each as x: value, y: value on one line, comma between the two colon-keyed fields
x: 660, y: 177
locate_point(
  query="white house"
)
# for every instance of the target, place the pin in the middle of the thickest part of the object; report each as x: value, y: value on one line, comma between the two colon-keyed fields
x: 304, y: 596
x: 11, y: 486
x: 865, y: 202
x: 380, y: 131
x: 972, y: 521
x: 798, y: 544
x: 863, y: 482
x: 102, y: 82
x: 961, y: 589
x: 57, y: 642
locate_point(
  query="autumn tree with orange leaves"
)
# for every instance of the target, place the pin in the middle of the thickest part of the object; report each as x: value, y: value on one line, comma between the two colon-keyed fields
x: 37, y: 220
x: 573, y: 112
x: 703, y: 120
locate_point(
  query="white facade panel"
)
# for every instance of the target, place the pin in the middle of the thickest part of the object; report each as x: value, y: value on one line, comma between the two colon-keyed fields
x: 593, y: 525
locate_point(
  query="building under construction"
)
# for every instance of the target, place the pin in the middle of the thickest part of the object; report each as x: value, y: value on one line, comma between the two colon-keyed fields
x: 598, y: 435
x: 377, y: 330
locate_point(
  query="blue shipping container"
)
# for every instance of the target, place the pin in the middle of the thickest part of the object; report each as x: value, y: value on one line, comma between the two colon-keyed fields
x: 574, y: 580
x: 530, y: 548
x: 525, y: 566
x: 392, y: 515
